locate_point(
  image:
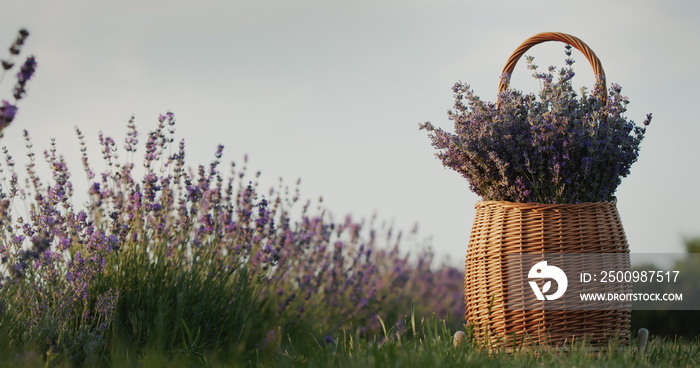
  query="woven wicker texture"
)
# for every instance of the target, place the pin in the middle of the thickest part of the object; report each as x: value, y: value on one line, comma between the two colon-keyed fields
x: 554, y: 36
x: 503, y: 228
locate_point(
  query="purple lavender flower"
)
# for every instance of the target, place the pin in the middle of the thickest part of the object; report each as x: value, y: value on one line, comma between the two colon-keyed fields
x: 107, y: 303
x: 27, y: 70
x: 169, y: 116
x: 24, y: 75
x: 131, y: 139
x: 7, y: 113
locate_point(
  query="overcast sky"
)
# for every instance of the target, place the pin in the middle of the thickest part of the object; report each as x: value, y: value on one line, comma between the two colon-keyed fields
x: 332, y: 92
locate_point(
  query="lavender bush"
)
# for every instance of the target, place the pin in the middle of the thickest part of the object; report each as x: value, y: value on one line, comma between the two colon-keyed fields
x: 190, y: 261
x: 559, y: 148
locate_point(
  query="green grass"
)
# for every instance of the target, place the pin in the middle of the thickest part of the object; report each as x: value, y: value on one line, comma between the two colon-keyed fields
x: 434, y: 348
x: 431, y: 345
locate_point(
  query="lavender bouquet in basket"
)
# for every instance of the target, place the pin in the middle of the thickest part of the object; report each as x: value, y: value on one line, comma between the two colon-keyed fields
x: 557, y: 147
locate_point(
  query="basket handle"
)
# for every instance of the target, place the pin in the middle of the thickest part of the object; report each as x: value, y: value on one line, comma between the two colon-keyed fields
x: 554, y: 36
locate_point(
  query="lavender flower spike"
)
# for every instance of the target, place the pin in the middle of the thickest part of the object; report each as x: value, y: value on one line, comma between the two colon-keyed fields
x: 19, y: 41
x: 24, y: 75
x: 7, y: 113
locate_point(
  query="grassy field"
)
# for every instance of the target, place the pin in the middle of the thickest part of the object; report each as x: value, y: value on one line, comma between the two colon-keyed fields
x: 438, y: 351
x: 432, y: 346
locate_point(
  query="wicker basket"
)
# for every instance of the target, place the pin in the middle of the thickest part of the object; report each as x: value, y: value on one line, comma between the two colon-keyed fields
x: 501, y: 229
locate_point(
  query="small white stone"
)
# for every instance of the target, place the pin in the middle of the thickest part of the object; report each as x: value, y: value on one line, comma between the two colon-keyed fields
x: 458, y: 337
x: 642, y: 338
